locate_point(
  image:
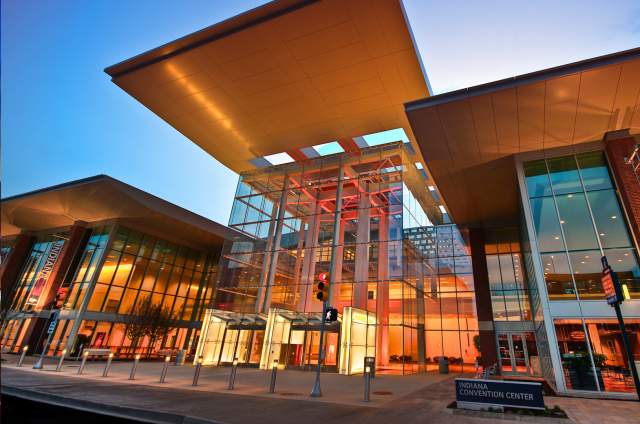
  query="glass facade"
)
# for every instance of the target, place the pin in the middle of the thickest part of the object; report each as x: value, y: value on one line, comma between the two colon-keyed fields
x: 610, y: 361
x: 111, y: 277
x: 367, y: 213
x: 507, y: 279
x: 578, y: 219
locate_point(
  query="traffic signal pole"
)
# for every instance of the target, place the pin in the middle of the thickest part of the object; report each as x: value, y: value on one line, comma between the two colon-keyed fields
x: 614, y: 295
x: 317, y: 391
x: 627, y: 348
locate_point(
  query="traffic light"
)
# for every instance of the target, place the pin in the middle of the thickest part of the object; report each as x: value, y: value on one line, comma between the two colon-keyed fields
x: 322, y: 287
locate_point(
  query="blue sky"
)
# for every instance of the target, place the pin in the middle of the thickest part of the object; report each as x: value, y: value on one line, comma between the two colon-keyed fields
x: 62, y: 118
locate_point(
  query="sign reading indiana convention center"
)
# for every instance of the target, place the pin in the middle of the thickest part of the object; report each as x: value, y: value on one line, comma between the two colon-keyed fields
x: 474, y: 393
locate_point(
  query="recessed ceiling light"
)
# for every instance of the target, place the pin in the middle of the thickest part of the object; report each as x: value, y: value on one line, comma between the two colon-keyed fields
x: 613, y: 217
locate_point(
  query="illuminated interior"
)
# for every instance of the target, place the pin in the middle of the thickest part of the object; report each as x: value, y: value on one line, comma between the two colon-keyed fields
x: 412, y: 280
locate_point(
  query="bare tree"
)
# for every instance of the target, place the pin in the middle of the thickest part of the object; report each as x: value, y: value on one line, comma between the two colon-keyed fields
x: 151, y: 320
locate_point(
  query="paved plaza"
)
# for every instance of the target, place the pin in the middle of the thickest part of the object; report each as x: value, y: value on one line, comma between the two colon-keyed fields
x: 405, y: 399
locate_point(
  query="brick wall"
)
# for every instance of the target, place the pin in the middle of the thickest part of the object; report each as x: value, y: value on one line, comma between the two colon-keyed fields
x: 617, y: 149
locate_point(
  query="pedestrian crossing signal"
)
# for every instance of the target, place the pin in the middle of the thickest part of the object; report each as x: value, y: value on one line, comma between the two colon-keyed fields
x: 331, y: 314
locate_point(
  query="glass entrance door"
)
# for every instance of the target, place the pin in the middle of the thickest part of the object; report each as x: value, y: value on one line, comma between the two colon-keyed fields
x: 514, y: 352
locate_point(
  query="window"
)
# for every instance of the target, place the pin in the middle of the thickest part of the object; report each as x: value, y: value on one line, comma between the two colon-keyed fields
x: 578, y: 219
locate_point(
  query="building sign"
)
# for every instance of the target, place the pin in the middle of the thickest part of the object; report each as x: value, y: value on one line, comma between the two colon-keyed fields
x: 607, y: 285
x: 472, y: 393
x: 610, y: 284
x: 45, y: 272
x: 54, y: 321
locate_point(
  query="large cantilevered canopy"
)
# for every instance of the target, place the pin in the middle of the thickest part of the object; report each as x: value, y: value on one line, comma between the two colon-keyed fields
x: 102, y: 198
x: 468, y: 137
x: 284, y: 76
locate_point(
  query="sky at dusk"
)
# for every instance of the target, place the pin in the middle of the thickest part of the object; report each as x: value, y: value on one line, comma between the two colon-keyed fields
x: 63, y: 119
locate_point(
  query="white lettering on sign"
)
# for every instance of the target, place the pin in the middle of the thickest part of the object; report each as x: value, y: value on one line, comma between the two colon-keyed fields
x: 482, y: 390
x: 45, y: 272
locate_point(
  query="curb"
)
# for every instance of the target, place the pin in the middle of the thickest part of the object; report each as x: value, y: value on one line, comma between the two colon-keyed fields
x: 126, y: 412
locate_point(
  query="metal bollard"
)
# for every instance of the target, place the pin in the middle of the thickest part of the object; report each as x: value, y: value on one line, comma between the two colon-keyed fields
x: 367, y: 383
x: 196, y: 373
x: 62, y: 354
x: 163, y: 374
x: 108, y: 365
x: 232, y: 376
x: 133, y: 368
x: 24, y: 353
x: 85, y: 355
x: 274, y: 373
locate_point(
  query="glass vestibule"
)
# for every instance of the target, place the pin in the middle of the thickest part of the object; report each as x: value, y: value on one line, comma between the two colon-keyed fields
x: 293, y: 340
x: 226, y: 336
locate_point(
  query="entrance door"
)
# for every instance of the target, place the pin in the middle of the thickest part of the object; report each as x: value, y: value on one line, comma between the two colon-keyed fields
x: 513, y: 353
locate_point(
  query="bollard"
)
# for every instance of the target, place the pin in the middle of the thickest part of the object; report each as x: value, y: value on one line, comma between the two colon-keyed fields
x: 133, y: 368
x: 232, y: 376
x: 24, y: 353
x: 85, y: 355
x: 64, y: 352
x: 196, y: 373
x: 108, y: 365
x: 274, y: 373
x: 163, y: 374
x: 367, y: 383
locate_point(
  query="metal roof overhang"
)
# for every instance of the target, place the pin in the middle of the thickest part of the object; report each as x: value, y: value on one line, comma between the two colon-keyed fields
x: 468, y: 137
x: 103, y: 198
x: 286, y: 75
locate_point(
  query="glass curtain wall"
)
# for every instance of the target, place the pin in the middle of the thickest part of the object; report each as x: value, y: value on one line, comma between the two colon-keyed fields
x: 509, y: 292
x: 450, y: 314
x: 577, y: 220
x: 287, y: 215
x: 139, y: 267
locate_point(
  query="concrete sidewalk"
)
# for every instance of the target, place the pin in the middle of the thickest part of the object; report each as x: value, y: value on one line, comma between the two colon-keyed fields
x: 411, y: 399
x: 290, y: 384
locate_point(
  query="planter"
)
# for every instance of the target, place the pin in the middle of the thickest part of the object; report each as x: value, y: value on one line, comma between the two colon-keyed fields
x: 582, y: 378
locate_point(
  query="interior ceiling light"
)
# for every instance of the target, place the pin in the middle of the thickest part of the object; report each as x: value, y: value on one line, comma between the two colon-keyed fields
x: 442, y: 209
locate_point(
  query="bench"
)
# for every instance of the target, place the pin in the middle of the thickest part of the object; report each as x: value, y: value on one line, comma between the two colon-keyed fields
x: 96, y: 352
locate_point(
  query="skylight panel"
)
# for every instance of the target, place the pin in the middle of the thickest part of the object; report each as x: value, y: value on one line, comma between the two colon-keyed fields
x: 279, y: 158
x: 385, y: 137
x: 328, y: 148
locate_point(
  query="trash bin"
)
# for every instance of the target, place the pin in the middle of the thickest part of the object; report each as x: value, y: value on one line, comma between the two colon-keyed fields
x: 443, y: 363
x: 181, y: 356
x: 370, y: 361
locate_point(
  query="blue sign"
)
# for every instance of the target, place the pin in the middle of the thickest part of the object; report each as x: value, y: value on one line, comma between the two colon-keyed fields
x: 477, y: 393
x: 54, y: 321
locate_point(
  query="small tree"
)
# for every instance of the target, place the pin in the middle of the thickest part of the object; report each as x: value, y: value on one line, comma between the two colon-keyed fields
x: 151, y: 320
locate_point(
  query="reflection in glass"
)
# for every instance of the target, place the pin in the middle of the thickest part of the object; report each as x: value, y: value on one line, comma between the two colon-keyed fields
x: 546, y: 223
x: 564, y: 175
x: 576, y: 222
